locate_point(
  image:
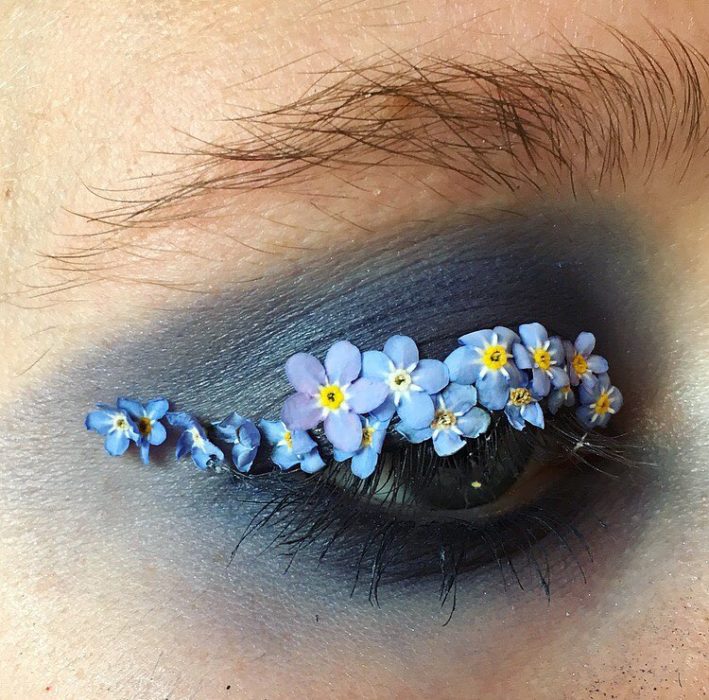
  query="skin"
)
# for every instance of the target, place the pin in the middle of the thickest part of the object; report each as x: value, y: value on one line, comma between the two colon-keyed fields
x: 114, y: 578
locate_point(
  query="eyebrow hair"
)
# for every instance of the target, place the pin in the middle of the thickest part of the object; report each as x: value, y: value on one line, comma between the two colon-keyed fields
x: 497, y: 123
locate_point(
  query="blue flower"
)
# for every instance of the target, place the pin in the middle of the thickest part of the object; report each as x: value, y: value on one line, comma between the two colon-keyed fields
x: 291, y: 447
x: 456, y: 417
x: 364, y: 459
x: 194, y: 440
x: 543, y: 355
x: 333, y: 394
x: 563, y: 396
x: 409, y: 380
x: 485, y: 359
x: 244, y: 437
x: 583, y: 366
x: 599, y: 402
x: 523, y: 405
x: 116, y: 425
x: 147, y: 419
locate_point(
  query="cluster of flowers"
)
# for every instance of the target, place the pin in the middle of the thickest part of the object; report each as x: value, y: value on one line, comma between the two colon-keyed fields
x: 356, y: 396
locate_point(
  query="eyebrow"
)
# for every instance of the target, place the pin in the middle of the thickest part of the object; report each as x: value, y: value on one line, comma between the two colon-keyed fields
x: 496, y: 123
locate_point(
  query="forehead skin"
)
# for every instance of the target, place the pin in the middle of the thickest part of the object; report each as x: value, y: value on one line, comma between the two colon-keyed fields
x: 118, y: 590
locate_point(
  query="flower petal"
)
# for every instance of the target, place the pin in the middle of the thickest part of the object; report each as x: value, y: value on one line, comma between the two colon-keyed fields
x: 305, y: 372
x: 156, y: 408
x: 540, y: 382
x: 402, y: 351
x: 556, y: 350
x: 462, y: 365
x: 446, y: 442
x: 414, y: 435
x: 533, y: 414
x: 365, y: 395
x: 585, y: 416
x: 344, y: 430
x: 477, y: 339
x: 475, y: 422
x: 416, y: 409
x: 459, y: 398
x: 522, y: 357
x: 343, y: 362
x: 133, y: 408
x: 301, y: 412
x: 386, y: 410
x: 249, y: 436
x: 616, y: 399
x: 585, y: 342
x: 200, y: 458
x: 180, y: 419
x: 505, y: 336
x: 431, y: 375
x: 100, y: 421
x: 243, y: 457
x: 116, y: 442
x: 145, y: 451
x: 493, y: 391
x: 284, y: 458
x: 312, y: 462
x: 364, y: 463
x: 302, y: 442
x: 273, y: 430
x: 514, y: 416
x: 556, y: 399
x: 533, y: 334
x: 375, y: 365
x: 559, y: 377
x: 597, y: 364
x: 157, y: 434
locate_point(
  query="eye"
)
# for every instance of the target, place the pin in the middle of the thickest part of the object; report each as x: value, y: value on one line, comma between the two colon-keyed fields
x: 504, y: 499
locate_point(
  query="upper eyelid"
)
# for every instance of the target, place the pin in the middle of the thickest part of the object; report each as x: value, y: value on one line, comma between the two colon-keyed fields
x: 497, y: 124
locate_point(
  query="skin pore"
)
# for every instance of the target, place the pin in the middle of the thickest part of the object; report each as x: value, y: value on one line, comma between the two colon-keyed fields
x: 114, y: 576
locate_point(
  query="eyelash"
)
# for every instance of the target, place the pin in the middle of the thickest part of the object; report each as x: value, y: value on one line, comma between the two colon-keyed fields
x: 341, y: 518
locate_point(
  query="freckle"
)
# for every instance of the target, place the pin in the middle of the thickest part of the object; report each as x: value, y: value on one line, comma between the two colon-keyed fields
x: 228, y: 687
x: 48, y: 688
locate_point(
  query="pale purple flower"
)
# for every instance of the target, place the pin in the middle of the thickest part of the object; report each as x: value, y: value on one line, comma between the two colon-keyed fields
x: 582, y: 365
x: 599, y: 402
x: 543, y: 355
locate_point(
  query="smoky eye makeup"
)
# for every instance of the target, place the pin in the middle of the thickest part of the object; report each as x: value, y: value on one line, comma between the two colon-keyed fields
x: 512, y: 500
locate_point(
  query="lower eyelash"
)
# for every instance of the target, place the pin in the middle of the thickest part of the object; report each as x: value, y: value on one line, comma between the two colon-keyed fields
x: 330, y: 514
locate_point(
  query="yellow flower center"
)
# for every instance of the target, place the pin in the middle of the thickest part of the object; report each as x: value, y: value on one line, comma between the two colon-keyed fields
x: 495, y: 357
x: 520, y: 397
x: 145, y: 425
x: 444, y: 419
x: 475, y: 484
x: 579, y: 364
x: 542, y: 358
x: 603, y: 405
x: 331, y: 396
x: 288, y: 439
x: 367, y: 435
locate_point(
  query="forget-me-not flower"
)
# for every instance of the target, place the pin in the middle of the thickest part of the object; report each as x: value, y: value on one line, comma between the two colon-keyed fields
x: 523, y: 405
x: 582, y: 365
x: 563, y: 396
x: 485, y: 359
x: 291, y: 447
x: 334, y: 394
x: 409, y: 380
x: 543, y: 355
x: 194, y: 441
x: 364, y: 459
x: 244, y: 438
x: 599, y: 402
x: 116, y: 425
x: 147, y: 420
x: 456, y: 418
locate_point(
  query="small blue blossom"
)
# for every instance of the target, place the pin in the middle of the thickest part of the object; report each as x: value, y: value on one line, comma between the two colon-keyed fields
x: 291, y: 447
x: 456, y: 418
x: 364, y: 459
x: 563, y: 396
x: 485, y: 359
x: 116, y: 425
x: 194, y: 441
x: 582, y: 365
x: 543, y: 355
x: 147, y: 420
x: 410, y: 381
x: 523, y: 406
x: 599, y: 402
x: 334, y: 394
x: 244, y: 438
